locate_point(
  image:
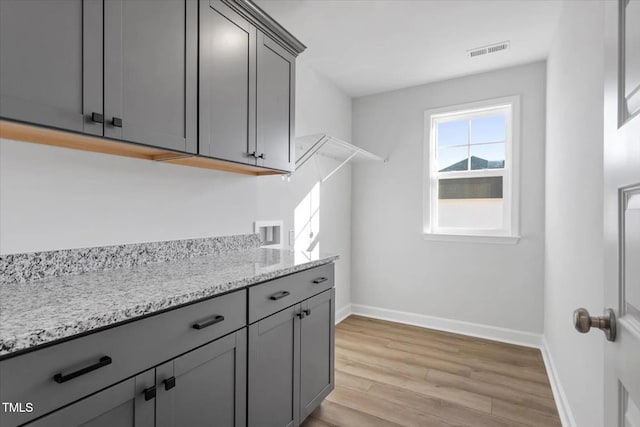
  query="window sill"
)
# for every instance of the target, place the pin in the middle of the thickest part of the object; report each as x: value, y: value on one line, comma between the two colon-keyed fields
x: 472, y: 238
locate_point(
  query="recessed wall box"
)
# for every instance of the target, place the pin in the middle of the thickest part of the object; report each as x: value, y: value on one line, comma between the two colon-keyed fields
x: 270, y: 233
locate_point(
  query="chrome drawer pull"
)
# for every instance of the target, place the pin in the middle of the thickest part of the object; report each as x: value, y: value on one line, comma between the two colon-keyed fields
x: 279, y: 295
x: 320, y: 280
x: 215, y: 319
x: 104, y: 361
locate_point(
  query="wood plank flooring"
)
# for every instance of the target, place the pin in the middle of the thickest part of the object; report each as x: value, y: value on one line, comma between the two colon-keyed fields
x: 394, y: 375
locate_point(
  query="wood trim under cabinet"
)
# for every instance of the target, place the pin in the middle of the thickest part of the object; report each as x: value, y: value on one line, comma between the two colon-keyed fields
x: 45, y: 136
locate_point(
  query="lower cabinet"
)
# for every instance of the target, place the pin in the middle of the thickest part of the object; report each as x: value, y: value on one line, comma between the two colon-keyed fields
x: 195, y: 366
x: 122, y: 405
x: 274, y: 369
x: 291, y: 362
x: 316, y: 351
x: 205, y: 387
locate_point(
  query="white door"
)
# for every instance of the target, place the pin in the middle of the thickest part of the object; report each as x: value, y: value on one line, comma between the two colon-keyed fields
x: 622, y: 210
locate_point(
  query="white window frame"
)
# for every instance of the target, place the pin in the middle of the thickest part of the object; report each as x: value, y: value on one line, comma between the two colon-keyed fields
x: 510, y: 173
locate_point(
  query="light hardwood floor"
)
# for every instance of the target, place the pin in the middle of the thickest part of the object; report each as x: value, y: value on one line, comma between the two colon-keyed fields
x: 389, y: 374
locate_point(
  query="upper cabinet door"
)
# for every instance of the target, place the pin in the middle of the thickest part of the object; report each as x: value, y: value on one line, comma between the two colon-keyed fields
x: 51, y: 63
x: 150, y: 87
x: 227, y: 84
x: 276, y: 105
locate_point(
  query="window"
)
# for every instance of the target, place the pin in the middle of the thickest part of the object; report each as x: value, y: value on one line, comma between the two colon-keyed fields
x: 472, y: 184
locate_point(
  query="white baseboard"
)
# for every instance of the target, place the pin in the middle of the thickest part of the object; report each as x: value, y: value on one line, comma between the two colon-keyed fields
x: 343, y: 313
x: 564, y: 410
x: 494, y: 333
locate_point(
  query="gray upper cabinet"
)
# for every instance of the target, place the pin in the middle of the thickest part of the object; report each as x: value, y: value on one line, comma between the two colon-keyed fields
x: 274, y: 367
x: 247, y: 86
x: 206, y: 387
x: 214, y: 78
x: 276, y: 95
x: 316, y: 351
x: 122, y: 405
x: 51, y: 63
x: 150, y: 62
x: 227, y: 84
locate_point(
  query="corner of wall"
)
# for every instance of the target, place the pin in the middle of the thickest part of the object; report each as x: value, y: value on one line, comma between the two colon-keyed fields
x: 559, y: 396
x: 573, y: 258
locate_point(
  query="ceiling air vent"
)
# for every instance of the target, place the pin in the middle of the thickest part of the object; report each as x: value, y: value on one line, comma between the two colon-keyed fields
x: 488, y: 49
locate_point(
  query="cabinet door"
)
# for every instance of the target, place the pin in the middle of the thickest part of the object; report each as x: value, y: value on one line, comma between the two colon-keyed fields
x: 227, y: 84
x: 51, y: 63
x: 205, y: 387
x: 122, y: 405
x: 276, y: 109
x: 316, y: 351
x: 150, y: 88
x: 274, y: 366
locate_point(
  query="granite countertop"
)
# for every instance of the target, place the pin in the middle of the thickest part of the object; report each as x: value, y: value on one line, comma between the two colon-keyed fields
x: 46, y: 310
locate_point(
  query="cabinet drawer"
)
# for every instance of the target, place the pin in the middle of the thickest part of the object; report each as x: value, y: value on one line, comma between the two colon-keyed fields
x: 57, y: 375
x: 270, y: 297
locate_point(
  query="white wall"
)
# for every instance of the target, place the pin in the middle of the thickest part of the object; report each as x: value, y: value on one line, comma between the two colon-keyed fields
x: 393, y: 266
x: 574, y: 200
x: 53, y: 198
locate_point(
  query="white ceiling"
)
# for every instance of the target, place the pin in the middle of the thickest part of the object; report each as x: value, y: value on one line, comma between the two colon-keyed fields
x: 370, y: 46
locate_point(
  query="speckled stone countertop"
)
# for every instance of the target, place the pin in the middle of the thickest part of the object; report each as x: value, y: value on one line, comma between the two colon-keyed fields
x: 49, y: 309
x: 26, y: 267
